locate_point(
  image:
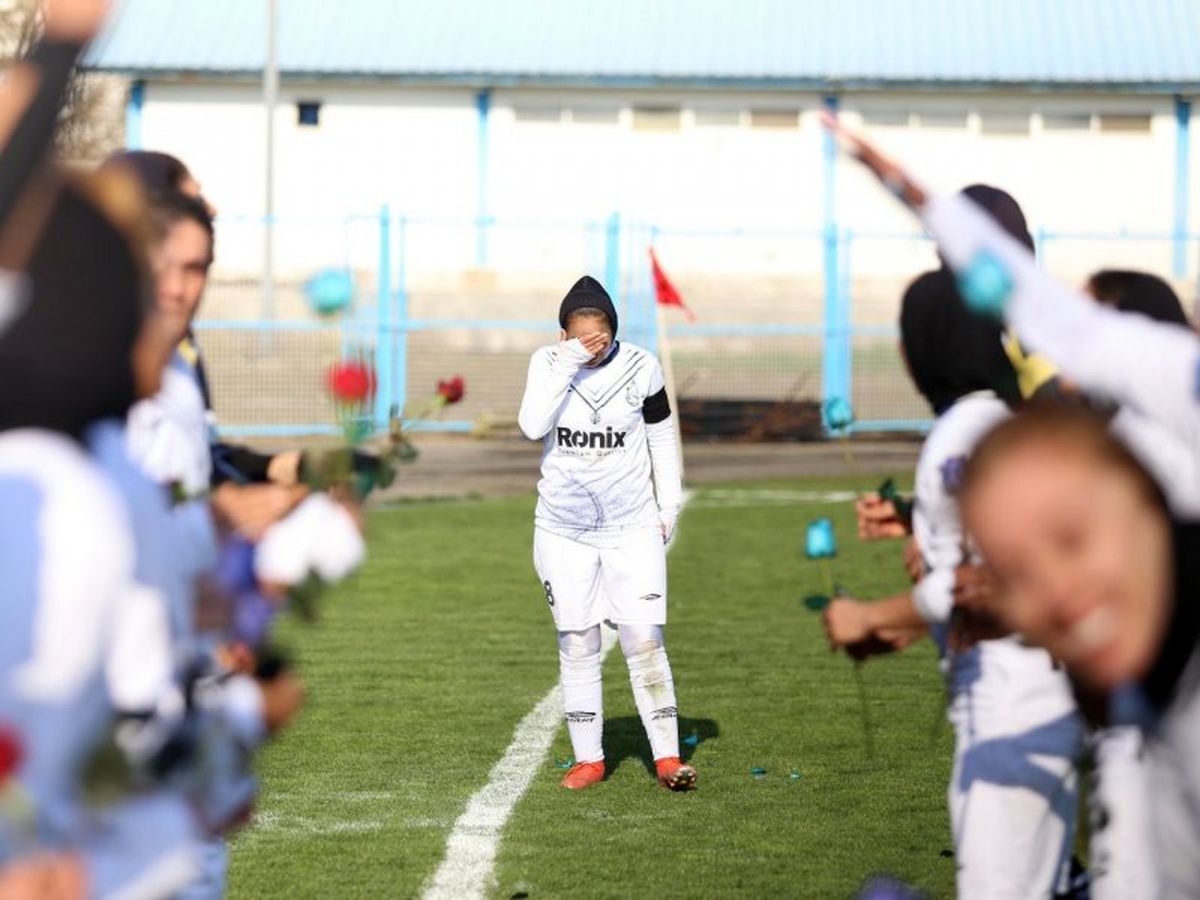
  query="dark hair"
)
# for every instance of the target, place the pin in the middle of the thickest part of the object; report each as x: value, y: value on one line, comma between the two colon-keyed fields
x: 950, y: 350
x: 169, y: 209
x: 1002, y: 207
x: 157, y: 172
x: 1068, y: 426
x: 1138, y: 292
x: 65, y: 362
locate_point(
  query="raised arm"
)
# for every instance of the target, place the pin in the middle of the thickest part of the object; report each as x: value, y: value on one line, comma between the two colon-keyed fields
x: 550, y: 373
x: 1145, y: 365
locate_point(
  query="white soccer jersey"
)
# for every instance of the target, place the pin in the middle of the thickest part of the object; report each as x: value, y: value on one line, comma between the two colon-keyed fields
x: 596, y: 459
x: 169, y: 433
x: 937, y: 524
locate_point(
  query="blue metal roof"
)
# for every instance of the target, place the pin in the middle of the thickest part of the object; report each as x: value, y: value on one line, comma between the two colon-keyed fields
x: 822, y: 44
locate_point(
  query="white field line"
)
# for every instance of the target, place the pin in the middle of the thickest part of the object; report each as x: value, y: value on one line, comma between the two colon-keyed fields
x: 466, y: 871
x: 718, y: 498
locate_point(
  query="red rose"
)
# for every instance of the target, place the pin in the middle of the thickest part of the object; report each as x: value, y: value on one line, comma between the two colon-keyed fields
x: 10, y: 752
x: 351, y: 382
x: 451, y: 391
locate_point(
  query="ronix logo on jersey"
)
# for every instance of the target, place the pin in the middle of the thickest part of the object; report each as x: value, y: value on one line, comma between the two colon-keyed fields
x: 593, y: 440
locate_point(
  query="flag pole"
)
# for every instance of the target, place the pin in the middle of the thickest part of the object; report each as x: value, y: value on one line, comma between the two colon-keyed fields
x: 664, y: 357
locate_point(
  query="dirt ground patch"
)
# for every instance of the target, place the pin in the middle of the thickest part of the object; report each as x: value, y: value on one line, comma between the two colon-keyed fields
x: 451, y: 467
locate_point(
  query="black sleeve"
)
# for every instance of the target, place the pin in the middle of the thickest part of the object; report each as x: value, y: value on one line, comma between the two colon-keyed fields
x: 656, y: 408
x: 240, y: 465
x: 26, y: 147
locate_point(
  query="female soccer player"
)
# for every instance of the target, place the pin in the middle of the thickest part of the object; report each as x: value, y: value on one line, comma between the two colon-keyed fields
x: 608, y: 500
x: 1013, y: 793
x: 1148, y: 367
x: 1091, y: 565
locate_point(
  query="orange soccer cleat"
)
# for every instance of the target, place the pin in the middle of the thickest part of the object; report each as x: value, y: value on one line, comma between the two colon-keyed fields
x: 583, y: 775
x: 674, y: 774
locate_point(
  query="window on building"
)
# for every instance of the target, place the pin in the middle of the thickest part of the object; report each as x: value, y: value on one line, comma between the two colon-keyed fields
x: 1124, y: 124
x: 941, y: 119
x: 595, y: 115
x: 774, y: 118
x: 538, y: 114
x: 1066, y: 121
x: 656, y: 118
x: 717, y: 118
x: 308, y: 113
x: 1004, y: 123
x: 885, y: 118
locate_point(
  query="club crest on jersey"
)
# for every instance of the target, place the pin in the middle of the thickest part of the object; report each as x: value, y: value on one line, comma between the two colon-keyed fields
x: 593, y: 440
x: 631, y: 396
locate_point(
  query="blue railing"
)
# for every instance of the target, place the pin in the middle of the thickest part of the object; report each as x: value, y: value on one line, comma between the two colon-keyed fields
x: 616, y: 255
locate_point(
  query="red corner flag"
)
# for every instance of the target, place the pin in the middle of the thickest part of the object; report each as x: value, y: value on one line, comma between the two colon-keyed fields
x: 665, y: 291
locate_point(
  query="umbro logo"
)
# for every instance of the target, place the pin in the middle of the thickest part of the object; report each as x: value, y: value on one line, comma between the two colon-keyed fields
x: 603, y: 440
x: 581, y: 717
x: 650, y: 598
x: 666, y: 712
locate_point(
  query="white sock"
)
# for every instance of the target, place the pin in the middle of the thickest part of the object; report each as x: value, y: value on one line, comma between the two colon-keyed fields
x: 583, y: 698
x: 653, y: 692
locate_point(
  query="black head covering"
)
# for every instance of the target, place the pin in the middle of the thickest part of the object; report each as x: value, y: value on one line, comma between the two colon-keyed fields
x: 159, y: 173
x: 951, y: 351
x: 1002, y: 207
x: 1138, y: 292
x: 65, y: 361
x: 588, y: 292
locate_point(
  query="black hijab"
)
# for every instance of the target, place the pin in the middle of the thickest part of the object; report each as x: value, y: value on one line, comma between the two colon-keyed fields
x: 65, y: 360
x: 950, y: 350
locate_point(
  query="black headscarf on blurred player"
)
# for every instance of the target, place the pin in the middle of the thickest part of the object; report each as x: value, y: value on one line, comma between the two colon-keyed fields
x: 1138, y: 292
x: 65, y: 361
x: 950, y: 350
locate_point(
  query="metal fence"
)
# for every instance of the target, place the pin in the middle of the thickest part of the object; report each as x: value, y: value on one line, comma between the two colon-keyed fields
x: 779, y: 314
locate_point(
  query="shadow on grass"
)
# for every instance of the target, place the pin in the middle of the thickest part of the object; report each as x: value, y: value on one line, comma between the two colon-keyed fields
x: 625, y: 738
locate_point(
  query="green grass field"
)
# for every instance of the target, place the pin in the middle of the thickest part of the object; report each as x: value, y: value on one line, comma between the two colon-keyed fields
x: 421, y: 668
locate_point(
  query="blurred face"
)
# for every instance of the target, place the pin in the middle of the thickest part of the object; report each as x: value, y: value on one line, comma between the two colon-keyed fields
x: 1082, y: 558
x: 583, y: 326
x: 180, y: 265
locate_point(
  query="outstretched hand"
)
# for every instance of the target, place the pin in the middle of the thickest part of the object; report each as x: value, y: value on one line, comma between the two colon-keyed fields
x: 890, y: 173
x: 878, y: 519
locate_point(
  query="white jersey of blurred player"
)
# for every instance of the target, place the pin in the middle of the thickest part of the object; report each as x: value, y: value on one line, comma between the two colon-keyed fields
x: 608, y: 499
x: 1013, y: 792
x: 72, y: 604
x: 170, y: 435
x: 1150, y: 369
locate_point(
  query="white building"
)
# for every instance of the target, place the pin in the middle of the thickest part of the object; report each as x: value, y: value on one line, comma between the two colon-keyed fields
x: 495, y: 130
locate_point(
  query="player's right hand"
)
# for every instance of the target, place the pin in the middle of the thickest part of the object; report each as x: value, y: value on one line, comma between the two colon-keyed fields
x: 595, y: 344
x: 878, y: 519
x: 846, y: 622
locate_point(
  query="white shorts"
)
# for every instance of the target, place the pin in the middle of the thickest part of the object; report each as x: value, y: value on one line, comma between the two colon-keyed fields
x: 1013, y: 791
x: 585, y: 585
